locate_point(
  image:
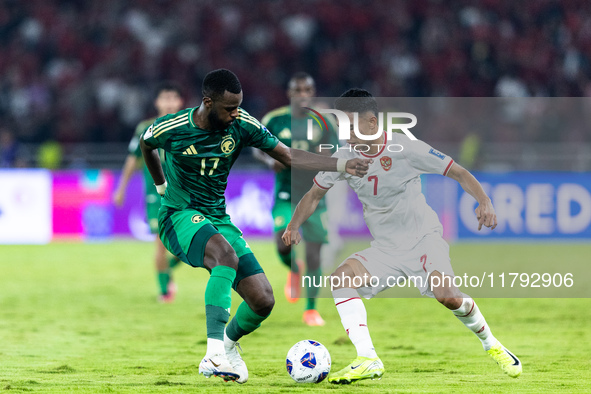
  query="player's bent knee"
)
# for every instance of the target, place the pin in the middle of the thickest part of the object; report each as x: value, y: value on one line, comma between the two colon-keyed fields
x: 264, y: 303
x: 266, y: 307
x: 450, y: 302
x: 450, y: 297
x: 342, y: 278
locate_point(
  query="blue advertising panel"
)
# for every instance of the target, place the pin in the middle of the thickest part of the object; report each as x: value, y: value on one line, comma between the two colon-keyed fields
x: 534, y: 205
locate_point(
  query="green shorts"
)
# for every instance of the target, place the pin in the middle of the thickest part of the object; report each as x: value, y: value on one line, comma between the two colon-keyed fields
x: 185, y: 234
x: 313, y: 230
x: 152, y: 207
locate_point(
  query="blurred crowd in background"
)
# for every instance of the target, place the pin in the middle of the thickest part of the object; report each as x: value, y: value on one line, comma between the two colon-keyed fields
x: 84, y: 71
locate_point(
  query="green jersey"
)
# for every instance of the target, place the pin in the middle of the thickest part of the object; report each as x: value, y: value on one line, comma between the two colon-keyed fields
x: 292, y: 131
x: 197, y: 162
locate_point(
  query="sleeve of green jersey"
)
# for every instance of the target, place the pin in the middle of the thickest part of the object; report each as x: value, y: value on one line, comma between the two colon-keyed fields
x: 154, y: 140
x: 258, y: 135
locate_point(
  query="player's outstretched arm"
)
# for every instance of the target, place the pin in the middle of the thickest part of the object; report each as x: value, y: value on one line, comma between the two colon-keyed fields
x: 303, y: 160
x: 485, y: 212
x: 130, y: 165
x: 268, y: 160
x: 303, y: 211
x: 152, y: 160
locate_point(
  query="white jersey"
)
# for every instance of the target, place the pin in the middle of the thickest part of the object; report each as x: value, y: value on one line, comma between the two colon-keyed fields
x: 394, y: 208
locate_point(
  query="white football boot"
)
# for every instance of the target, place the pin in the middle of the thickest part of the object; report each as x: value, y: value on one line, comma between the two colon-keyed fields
x: 218, y: 365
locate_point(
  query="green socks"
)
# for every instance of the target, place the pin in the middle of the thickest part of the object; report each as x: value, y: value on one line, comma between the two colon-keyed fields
x: 218, y: 300
x: 244, y: 322
x: 164, y: 276
x: 163, y: 279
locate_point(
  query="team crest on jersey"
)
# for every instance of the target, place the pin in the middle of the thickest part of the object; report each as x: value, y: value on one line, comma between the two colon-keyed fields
x: 386, y: 162
x: 197, y: 218
x: 228, y: 144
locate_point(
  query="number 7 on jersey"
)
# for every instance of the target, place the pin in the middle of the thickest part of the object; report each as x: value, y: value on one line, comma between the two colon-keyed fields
x: 375, y: 185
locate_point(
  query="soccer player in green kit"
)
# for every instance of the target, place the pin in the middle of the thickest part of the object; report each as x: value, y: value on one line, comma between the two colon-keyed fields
x: 168, y: 100
x: 289, y: 126
x: 201, y: 144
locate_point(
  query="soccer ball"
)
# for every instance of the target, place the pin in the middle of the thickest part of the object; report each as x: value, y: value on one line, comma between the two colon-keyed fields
x: 308, y: 362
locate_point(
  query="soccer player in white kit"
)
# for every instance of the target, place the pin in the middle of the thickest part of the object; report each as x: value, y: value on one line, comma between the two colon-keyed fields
x: 407, y: 235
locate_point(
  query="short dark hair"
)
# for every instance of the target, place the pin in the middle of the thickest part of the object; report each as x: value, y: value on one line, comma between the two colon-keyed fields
x: 301, y: 75
x: 357, y: 100
x: 168, y: 86
x: 216, y: 83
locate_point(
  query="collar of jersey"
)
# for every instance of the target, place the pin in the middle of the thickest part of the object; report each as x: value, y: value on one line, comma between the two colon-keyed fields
x: 191, y: 117
x: 381, y: 150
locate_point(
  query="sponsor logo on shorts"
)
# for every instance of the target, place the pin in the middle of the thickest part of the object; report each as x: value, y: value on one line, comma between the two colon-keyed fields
x: 386, y: 163
x: 228, y: 144
x: 197, y: 218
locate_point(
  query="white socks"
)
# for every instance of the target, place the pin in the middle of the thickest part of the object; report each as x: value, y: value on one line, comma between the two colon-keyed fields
x: 354, y: 319
x: 228, y: 343
x: 469, y: 314
x: 214, y: 346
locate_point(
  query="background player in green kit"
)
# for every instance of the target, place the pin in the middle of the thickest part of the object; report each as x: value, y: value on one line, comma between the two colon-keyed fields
x: 201, y: 144
x: 286, y: 123
x: 168, y: 101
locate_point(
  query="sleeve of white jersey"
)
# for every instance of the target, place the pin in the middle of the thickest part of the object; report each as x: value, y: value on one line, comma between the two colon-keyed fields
x: 327, y: 179
x: 425, y: 159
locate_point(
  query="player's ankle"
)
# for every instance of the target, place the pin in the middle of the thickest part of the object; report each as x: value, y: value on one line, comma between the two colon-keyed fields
x: 489, y: 342
x: 228, y: 343
x: 368, y: 353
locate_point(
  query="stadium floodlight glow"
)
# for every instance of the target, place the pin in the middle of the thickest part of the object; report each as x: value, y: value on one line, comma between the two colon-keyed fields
x: 345, y: 125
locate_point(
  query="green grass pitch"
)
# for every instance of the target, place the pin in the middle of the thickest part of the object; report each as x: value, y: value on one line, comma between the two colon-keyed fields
x: 84, y: 318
